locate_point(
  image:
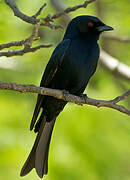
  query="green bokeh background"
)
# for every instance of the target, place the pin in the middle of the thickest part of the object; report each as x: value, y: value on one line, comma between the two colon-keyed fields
x: 87, y: 143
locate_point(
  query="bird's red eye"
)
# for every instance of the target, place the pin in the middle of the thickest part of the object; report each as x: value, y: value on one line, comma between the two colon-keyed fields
x: 90, y: 24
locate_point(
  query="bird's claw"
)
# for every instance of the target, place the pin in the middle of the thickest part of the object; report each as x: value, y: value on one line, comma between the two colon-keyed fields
x: 65, y: 92
x: 84, y: 97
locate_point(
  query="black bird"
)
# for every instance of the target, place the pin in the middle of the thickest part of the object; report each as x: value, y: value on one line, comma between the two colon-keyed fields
x: 70, y: 67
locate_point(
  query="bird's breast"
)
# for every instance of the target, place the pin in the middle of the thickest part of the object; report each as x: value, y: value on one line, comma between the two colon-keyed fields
x: 77, y: 67
x: 82, y: 58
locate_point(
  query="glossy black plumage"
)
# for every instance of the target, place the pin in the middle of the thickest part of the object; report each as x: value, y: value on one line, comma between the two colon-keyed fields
x: 70, y: 67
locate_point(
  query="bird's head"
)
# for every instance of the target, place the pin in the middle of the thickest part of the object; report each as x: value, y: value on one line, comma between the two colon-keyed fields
x: 86, y: 25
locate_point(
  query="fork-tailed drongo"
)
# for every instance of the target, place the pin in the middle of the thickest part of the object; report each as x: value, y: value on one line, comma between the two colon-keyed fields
x: 70, y: 67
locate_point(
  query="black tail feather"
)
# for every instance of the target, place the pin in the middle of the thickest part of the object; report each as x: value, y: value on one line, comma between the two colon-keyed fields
x: 42, y: 151
x: 38, y: 157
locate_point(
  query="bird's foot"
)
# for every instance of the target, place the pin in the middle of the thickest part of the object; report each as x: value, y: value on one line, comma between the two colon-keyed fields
x: 65, y: 93
x: 84, y: 97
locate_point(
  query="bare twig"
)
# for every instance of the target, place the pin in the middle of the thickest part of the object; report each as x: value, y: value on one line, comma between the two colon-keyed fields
x: 117, y: 38
x: 27, y: 45
x: 29, y: 40
x: 70, y: 9
x: 59, y: 6
x: 23, y: 51
x: 11, y: 44
x: 114, y: 66
x: 38, y: 22
x: 52, y: 26
x: 33, y: 37
x: 39, y: 11
x: 68, y: 97
x: 44, y: 21
x: 19, y: 14
x: 49, y: 18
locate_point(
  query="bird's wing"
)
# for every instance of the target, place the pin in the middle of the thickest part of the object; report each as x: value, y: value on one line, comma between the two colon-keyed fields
x: 49, y: 73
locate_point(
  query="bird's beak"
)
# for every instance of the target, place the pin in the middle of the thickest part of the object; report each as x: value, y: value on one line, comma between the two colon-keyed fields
x: 104, y: 28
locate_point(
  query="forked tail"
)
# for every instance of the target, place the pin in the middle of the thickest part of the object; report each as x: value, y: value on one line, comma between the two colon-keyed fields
x: 38, y: 157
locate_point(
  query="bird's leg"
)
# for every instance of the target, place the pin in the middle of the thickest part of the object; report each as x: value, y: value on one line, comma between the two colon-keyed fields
x: 65, y: 93
x: 84, y: 97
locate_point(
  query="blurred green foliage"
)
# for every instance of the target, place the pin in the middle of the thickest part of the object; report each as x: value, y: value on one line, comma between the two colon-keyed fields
x: 87, y: 143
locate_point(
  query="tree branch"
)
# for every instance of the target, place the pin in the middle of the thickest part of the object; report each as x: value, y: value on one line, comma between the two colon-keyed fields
x: 60, y: 7
x: 117, y: 38
x: 114, y: 66
x: 11, y: 44
x: 39, y: 11
x: 44, y: 21
x: 26, y: 42
x: 68, y: 97
x: 70, y: 9
x: 22, y: 51
x: 49, y: 18
x: 37, y: 22
x: 19, y: 14
x: 29, y: 40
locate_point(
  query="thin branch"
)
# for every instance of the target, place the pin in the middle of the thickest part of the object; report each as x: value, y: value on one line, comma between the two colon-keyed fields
x: 29, y: 40
x: 68, y: 97
x: 27, y: 45
x: 11, y: 44
x: 48, y: 24
x: 44, y: 21
x: 31, y: 19
x: 59, y: 6
x: 23, y: 51
x: 70, y: 9
x: 33, y: 37
x: 117, y: 38
x: 38, y: 22
x: 113, y: 65
x: 19, y: 14
x: 49, y: 18
x: 39, y: 11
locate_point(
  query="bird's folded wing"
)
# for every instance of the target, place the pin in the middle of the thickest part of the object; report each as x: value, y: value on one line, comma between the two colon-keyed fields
x: 50, y: 71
